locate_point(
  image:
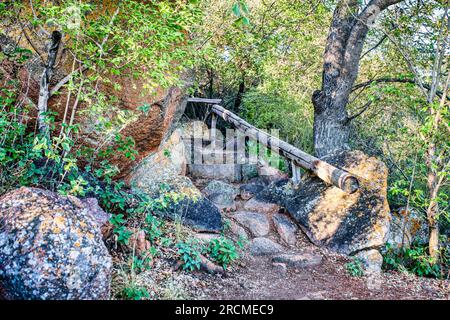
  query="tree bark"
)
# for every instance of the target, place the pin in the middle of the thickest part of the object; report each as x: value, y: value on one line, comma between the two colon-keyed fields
x: 45, y: 80
x: 238, y: 100
x: 345, y: 42
x: 433, y: 184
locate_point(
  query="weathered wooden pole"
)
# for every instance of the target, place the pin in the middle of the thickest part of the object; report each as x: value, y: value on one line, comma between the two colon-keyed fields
x: 212, y: 131
x: 296, y: 173
x: 323, y: 170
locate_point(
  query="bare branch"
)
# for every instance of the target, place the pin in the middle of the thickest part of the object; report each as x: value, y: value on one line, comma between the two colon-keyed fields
x: 363, y: 109
x: 394, y: 80
x: 375, y: 46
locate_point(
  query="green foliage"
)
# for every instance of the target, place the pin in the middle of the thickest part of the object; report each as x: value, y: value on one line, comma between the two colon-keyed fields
x: 123, y: 234
x: 416, y: 259
x: 241, y: 11
x: 135, y: 292
x: 268, y: 70
x: 189, y: 252
x: 153, y: 227
x: 223, y: 251
x: 167, y: 153
x: 139, y: 34
x: 355, y: 268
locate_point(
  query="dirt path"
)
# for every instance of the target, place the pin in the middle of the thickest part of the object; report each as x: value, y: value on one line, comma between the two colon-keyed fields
x: 257, y: 279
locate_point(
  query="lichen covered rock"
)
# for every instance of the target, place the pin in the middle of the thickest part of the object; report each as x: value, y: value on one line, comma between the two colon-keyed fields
x: 148, y: 129
x: 286, y: 228
x: 185, y: 202
x: 330, y: 217
x: 201, y: 214
x: 372, y: 260
x: 163, y: 166
x: 257, y: 223
x: 263, y: 247
x: 51, y: 248
x: 407, y: 226
x: 346, y: 222
x: 221, y: 193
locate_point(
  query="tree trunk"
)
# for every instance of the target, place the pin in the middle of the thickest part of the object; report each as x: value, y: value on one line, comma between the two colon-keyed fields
x: 238, y: 100
x: 331, y: 128
x: 432, y: 211
x: 45, y: 81
x: 345, y: 42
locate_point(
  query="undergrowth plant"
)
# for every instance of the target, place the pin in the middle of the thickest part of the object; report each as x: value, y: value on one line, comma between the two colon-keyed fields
x: 355, y: 268
x: 415, y: 259
x: 223, y: 251
x: 189, y: 252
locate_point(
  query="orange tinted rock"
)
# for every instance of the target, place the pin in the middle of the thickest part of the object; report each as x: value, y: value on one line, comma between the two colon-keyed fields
x: 147, y: 130
x: 333, y: 218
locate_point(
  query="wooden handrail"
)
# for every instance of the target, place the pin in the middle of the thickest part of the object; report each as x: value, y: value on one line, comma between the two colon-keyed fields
x: 205, y: 100
x: 325, y: 171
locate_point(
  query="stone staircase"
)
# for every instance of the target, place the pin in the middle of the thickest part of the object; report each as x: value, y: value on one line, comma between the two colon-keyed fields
x: 268, y: 231
x: 230, y: 179
x: 210, y: 162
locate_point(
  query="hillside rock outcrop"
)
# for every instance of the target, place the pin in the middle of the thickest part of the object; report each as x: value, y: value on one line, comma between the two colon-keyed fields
x: 51, y: 248
x: 330, y: 217
x: 163, y: 106
x: 163, y: 166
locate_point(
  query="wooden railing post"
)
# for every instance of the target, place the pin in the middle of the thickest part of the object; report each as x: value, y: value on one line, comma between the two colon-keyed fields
x: 212, y: 131
x: 296, y: 173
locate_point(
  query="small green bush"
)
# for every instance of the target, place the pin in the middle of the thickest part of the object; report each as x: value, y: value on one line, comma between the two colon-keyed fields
x: 134, y: 292
x: 223, y: 251
x: 189, y: 252
x: 416, y: 259
x: 355, y: 268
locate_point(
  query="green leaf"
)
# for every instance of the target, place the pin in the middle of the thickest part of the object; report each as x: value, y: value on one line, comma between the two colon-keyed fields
x: 244, y: 7
x: 236, y: 10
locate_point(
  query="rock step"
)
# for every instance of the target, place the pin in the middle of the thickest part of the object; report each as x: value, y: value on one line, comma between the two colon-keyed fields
x: 298, y: 260
x: 263, y: 246
x: 257, y: 223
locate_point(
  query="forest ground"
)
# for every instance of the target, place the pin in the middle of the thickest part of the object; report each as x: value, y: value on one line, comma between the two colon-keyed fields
x: 255, y: 278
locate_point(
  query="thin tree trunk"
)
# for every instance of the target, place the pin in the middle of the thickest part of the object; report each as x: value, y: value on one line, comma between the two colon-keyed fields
x: 433, y: 208
x: 238, y: 101
x: 434, y: 182
x: 44, y: 83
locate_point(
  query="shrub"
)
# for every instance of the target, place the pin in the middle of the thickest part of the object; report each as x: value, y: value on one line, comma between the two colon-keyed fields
x: 223, y: 251
x: 189, y: 252
x: 134, y: 292
x: 355, y: 268
x: 416, y: 259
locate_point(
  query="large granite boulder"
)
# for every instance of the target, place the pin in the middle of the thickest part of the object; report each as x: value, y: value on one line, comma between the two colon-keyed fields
x: 257, y: 223
x: 163, y: 107
x: 51, y: 248
x: 185, y: 202
x: 163, y: 166
x: 161, y: 175
x: 346, y: 223
x: 192, y: 208
x: 201, y: 214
